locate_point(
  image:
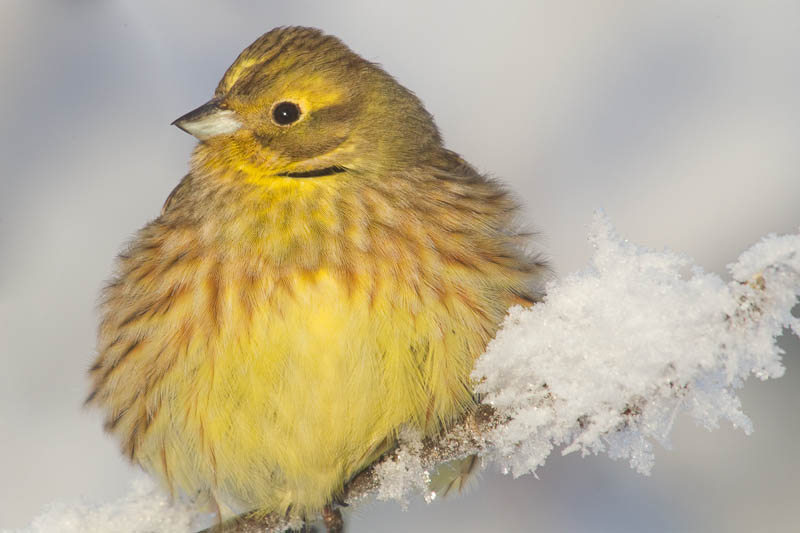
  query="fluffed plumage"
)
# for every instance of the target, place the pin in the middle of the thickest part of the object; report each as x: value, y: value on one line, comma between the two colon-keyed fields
x: 325, y: 274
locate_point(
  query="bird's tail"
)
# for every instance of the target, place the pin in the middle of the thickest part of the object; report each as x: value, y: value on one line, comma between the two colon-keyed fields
x: 454, y: 477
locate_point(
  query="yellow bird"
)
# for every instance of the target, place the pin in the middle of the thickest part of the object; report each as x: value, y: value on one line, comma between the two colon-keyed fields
x: 325, y: 274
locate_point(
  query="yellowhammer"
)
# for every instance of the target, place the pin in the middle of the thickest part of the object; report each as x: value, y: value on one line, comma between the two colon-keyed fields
x: 325, y: 274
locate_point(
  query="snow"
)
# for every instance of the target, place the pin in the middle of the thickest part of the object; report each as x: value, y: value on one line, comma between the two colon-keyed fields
x: 146, y: 508
x: 617, y: 350
x: 603, y: 365
x: 403, y: 475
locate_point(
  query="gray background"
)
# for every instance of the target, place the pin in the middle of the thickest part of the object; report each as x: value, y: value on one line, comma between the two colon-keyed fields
x: 680, y: 119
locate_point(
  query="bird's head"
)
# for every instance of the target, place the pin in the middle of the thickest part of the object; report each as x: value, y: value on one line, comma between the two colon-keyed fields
x: 299, y: 103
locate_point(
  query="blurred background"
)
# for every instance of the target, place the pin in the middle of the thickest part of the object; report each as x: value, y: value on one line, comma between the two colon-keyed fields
x: 680, y: 119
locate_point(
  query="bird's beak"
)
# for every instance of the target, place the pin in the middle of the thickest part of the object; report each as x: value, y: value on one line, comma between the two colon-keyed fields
x: 209, y: 120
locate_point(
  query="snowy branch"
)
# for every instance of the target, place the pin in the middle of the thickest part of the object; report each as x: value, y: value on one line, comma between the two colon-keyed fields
x: 606, y: 363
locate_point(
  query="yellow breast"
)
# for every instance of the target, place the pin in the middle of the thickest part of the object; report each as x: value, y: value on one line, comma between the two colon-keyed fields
x: 264, y: 363
x: 285, y: 410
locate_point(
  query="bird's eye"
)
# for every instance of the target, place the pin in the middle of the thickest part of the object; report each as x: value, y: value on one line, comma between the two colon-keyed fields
x: 284, y: 113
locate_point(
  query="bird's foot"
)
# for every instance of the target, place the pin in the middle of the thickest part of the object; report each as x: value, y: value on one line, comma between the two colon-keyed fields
x: 332, y: 518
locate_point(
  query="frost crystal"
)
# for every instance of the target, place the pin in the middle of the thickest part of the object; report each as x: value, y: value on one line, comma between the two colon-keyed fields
x: 617, y: 350
x: 403, y: 475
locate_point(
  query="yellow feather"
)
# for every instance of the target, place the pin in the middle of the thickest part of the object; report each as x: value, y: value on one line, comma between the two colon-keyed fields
x: 267, y: 336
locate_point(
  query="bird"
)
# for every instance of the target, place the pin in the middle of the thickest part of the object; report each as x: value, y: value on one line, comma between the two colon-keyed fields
x: 324, y: 275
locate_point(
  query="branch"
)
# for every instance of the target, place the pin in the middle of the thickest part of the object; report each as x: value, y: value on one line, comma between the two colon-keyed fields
x: 607, y: 362
x: 604, y: 364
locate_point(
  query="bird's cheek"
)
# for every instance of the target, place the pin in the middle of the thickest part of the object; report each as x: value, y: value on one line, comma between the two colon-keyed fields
x: 260, y: 149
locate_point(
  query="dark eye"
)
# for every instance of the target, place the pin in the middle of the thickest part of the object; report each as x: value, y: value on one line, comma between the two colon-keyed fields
x: 285, y: 113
